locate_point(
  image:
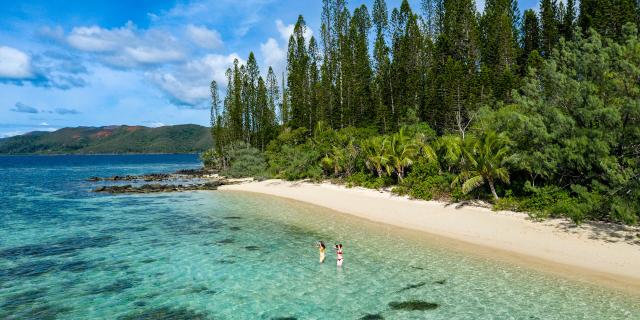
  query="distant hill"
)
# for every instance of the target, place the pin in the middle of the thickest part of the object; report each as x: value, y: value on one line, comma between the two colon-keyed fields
x: 112, y: 139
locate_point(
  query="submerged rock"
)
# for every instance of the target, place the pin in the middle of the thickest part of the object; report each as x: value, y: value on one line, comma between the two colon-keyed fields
x: 165, y: 313
x: 116, y: 287
x: 54, y: 248
x: 76, y: 266
x: 413, y: 286
x: 376, y: 316
x: 23, y: 299
x: 413, y: 305
x: 440, y: 281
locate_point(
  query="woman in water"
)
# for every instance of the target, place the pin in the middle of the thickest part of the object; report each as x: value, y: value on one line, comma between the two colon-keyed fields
x: 339, y: 252
x: 322, y: 247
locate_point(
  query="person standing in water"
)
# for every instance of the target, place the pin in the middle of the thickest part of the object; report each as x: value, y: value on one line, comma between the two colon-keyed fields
x: 339, y: 252
x: 322, y: 248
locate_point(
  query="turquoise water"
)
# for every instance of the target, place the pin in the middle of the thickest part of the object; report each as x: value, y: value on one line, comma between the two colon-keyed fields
x: 66, y: 253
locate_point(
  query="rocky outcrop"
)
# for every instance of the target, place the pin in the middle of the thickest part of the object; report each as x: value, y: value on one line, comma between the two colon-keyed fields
x: 180, y: 174
x: 156, y: 187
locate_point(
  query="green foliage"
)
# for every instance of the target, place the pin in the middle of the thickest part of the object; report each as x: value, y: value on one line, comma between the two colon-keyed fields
x: 426, y: 182
x: 209, y: 159
x: 367, y: 180
x: 290, y: 156
x: 245, y: 161
x: 454, y: 101
x: 485, y: 161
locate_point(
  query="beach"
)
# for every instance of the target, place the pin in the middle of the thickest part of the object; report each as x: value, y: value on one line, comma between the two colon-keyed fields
x: 594, y: 252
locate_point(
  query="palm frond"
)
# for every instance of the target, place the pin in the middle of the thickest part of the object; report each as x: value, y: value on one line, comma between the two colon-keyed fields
x: 472, y: 183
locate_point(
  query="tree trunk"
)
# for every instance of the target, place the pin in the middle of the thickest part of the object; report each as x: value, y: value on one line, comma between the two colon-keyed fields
x: 493, y: 189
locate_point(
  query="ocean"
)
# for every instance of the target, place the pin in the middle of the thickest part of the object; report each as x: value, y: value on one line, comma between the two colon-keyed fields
x: 68, y: 253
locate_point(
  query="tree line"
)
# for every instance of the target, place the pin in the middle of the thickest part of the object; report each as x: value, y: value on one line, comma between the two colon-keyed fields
x: 545, y: 102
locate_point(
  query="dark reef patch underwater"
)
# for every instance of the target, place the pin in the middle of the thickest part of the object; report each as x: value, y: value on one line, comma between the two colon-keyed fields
x: 165, y: 313
x: 413, y: 305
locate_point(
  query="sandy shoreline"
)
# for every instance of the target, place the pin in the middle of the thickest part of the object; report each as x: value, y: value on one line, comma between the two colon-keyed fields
x: 590, y: 252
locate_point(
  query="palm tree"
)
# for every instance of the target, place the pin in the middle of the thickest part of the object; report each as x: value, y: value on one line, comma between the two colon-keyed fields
x: 450, y: 150
x: 485, y: 162
x: 375, y: 153
x: 341, y: 158
x: 402, y: 151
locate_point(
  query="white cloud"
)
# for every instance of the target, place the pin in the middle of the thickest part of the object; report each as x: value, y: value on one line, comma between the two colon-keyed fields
x: 152, y: 55
x: 287, y: 30
x: 44, y: 124
x: 11, y: 134
x: 14, y: 64
x: 189, y: 84
x: 97, y: 39
x: 127, y: 46
x: 204, y: 37
x: 273, y: 55
x: 156, y: 124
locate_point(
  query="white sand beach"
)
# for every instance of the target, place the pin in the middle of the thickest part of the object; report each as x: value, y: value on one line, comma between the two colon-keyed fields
x: 591, y: 252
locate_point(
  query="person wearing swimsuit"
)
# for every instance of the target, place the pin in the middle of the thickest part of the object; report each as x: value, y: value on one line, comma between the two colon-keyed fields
x: 322, y: 248
x: 340, y: 256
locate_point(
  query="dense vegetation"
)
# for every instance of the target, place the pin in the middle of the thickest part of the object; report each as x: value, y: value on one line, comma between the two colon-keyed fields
x: 113, y: 139
x: 538, y: 112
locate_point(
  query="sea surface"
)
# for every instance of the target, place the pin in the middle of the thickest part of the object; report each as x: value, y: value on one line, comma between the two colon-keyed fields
x: 67, y: 253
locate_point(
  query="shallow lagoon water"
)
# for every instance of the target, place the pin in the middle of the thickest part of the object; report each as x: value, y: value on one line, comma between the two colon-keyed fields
x: 66, y: 253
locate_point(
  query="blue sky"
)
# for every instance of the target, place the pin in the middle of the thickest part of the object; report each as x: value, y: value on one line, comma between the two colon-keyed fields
x: 144, y: 62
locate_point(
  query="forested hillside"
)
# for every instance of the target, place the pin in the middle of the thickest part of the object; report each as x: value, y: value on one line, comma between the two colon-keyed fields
x: 112, y: 139
x: 536, y: 111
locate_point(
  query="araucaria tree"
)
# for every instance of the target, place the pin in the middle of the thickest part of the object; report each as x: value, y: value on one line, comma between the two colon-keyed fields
x: 423, y: 98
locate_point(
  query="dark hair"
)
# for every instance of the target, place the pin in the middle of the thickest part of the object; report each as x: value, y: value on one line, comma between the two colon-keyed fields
x: 340, y: 245
x: 322, y: 245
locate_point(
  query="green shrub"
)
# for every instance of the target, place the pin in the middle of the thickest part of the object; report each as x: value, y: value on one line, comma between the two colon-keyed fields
x: 245, y: 161
x: 209, y: 159
x: 425, y: 181
x: 295, y: 162
x: 367, y: 180
x: 541, y: 199
x: 624, y: 211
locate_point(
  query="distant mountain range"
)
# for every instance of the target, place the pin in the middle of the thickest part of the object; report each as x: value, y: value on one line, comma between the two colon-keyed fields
x: 186, y: 138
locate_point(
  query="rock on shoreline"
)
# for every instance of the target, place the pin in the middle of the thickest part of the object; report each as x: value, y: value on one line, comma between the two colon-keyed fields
x: 156, y: 187
x: 183, y: 180
x: 180, y: 174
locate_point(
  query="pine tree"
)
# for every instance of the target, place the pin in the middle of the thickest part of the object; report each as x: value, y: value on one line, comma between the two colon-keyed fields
x: 500, y: 49
x: 457, y: 56
x: 382, y: 64
x: 433, y: 13
x: 608, y: 17
x: 549, y: 26
x: 273, y: 96
x: 343, y: 65
x: 234, y: 102
x: 362, y: 74
x: 567, y: 29
x: 314, y: 84
x: 215, y: 120
x: 406, y: 68
x: 328, y: 68
x: 250, y: 94
x: 298, y: 82
x: 530, y: 37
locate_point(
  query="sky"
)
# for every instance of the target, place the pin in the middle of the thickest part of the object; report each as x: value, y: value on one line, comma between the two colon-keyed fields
x: 67, y: 63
